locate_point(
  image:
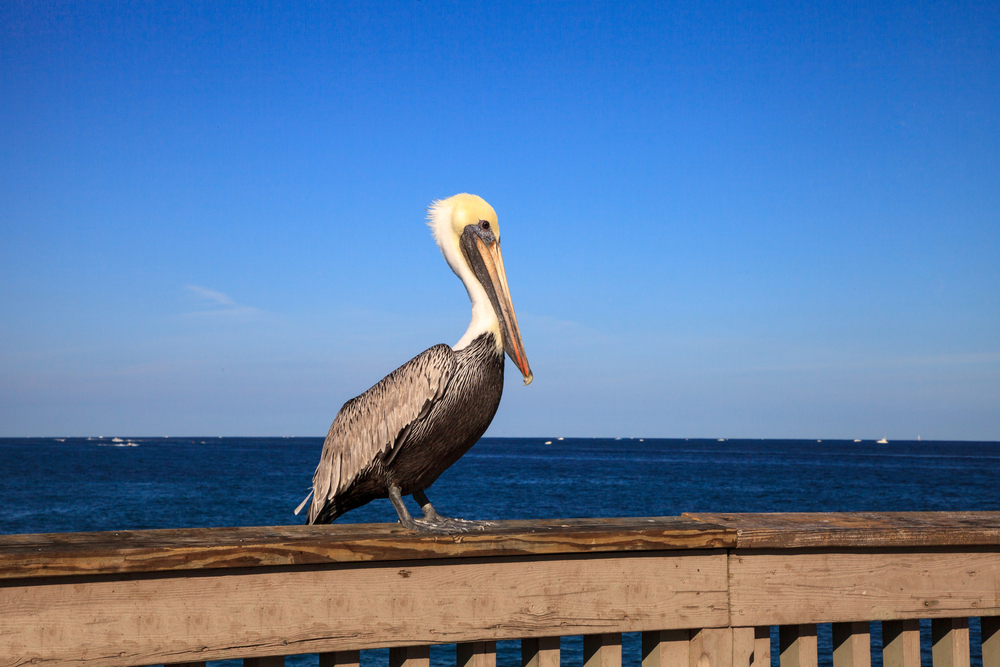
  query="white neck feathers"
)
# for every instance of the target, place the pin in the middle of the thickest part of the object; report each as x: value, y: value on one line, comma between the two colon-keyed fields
x: 439, y: 219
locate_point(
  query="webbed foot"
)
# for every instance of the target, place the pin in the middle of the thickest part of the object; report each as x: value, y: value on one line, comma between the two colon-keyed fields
x: 432, y: 522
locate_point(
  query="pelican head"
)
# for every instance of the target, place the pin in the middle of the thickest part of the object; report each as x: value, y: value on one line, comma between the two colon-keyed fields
x: 468, y: 233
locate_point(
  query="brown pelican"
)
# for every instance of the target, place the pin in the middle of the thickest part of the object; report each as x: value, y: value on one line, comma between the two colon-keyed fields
x: 399, y: 436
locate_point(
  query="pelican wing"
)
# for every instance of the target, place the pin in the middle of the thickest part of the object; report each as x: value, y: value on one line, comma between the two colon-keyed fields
x: 373, y: 425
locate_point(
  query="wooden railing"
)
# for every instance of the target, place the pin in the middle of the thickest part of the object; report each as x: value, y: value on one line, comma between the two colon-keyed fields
x: 703, y: 589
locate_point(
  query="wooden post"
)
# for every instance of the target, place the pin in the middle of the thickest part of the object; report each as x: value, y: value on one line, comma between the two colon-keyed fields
x: 540, y: 652
x: 797, y: 644
x: 950, y: 642
x: 762, y: 646
x: 476, y: 654
x: 852, y: 645
x: 711, y: 647
x: 410, y: 656
x: 901, y: 643
x: 269, y: 661
x: 665, y: 648
x: 340, y: 659
x: 752, y: 647
x: 991, y: 640
x: 603, y: 650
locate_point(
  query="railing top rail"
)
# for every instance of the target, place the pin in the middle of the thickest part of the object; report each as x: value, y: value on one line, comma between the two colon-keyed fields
x: 66, y: 554
x: 124, y: 552
x: 858, y: 529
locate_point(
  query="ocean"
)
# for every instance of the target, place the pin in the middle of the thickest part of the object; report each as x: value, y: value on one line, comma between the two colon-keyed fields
x: 129, y: 483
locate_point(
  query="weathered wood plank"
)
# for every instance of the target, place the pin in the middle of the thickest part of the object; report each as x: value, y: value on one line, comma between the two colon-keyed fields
x: 476, y: 654
x: 540, y: 652
x: 65, y: 554
x: 991, y: 640
x: 752, y: 647
x: 665, y: 648
x: 711, y: 647
x: 762, y: 646
x: 743, y: 647
x: 950, y: 642
x: 340, y: 659
x: 792, y: 587
x: 852, y: 645
x: 797, y: 644
x: 859, y: 529
x: 256, y: 612
x: 602, y: 650
x: 901, y: 643
x: 410, y: 656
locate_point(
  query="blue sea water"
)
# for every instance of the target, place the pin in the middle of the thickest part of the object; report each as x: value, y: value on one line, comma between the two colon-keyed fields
x: 88, y: 484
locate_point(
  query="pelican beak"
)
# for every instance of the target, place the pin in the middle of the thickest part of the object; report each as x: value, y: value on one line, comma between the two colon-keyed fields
x: 496, y: 277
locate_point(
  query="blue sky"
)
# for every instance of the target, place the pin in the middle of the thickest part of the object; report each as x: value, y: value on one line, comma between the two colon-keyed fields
x: 719, y: 219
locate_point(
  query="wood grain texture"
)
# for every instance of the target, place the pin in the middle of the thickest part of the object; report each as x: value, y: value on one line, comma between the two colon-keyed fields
x: 711, y: 647
x: 743, y: 647
x: 540, y: 652
x: 797, y: 644
x: 163, y: 619
x: 762, y: 646
x: 665, y: 648
x: 858, y: 529
x: 67, y: 554
x: 793, y: 587
x: 852, y: 645
x: 950, y: 642
x: 901, y: 643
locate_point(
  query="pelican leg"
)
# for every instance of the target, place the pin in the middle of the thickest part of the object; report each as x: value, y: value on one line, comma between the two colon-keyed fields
x: 432, y: 522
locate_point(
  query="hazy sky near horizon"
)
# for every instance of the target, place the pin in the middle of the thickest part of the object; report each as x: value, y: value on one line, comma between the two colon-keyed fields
x: 731, y: 219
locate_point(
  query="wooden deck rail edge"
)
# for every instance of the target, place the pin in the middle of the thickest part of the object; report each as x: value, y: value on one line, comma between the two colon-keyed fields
x: 66, y: 554
x: 179, y: 596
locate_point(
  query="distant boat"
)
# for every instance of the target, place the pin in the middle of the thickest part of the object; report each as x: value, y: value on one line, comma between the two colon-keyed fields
x: 883, y: 441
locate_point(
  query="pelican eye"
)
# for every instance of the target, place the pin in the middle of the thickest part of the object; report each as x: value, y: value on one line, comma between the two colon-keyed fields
x: 484, y: 224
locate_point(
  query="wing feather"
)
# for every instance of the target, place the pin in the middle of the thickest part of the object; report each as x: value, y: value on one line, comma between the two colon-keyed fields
x: 374, y: 424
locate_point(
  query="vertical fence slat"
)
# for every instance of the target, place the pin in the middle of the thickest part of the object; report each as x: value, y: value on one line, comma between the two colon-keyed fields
x: 743, y: 647
x: 269, y: 661
x: 603, y: 650
x: 410, y: 656
x: 991, y: 640
x: 752, y: 647
x: 950, y: 642
x: 476, y: 654
x: 665, y: 648
x: 762, y: 646
x: 852, y: 645
x: 340, y: 659
x: 711, y: 647
x: 901, y: 643
x: 797, y: 644
x: 540, y: 652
